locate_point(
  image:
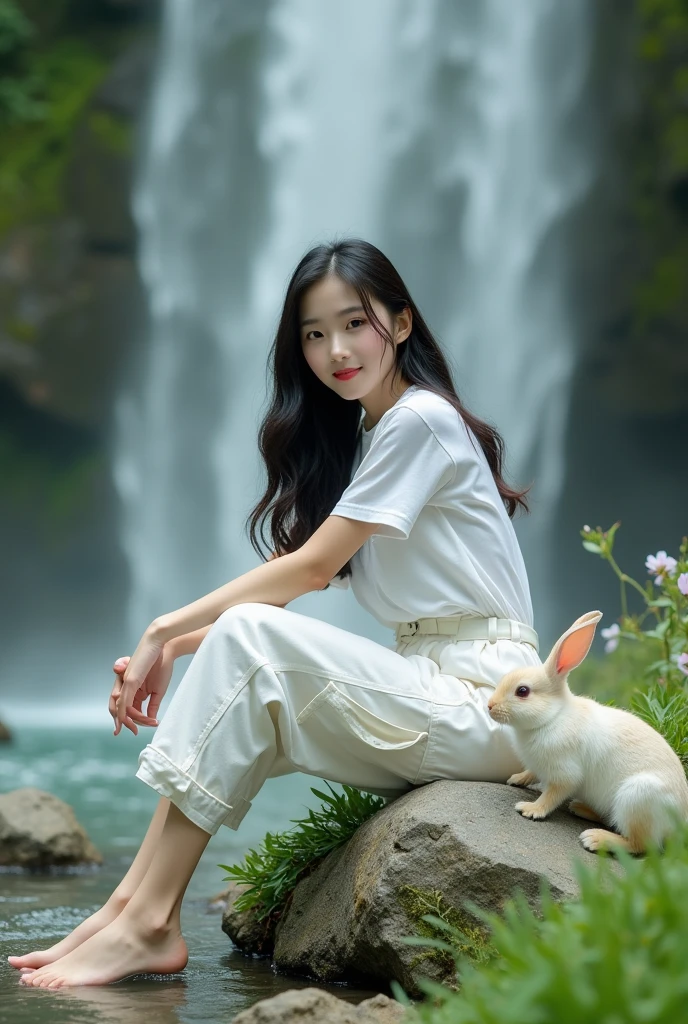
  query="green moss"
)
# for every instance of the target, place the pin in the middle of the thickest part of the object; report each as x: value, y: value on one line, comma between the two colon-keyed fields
x: 34, y: 156
x: 50, y: 490
x: 113, y: 132
x: 466, y: 939
x: 21, y: 330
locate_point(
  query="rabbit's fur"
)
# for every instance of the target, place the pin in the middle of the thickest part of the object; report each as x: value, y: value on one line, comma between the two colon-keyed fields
x: 611, y: 765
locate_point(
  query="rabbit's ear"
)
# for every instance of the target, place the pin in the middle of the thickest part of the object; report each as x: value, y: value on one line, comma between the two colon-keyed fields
x: 572, y: 647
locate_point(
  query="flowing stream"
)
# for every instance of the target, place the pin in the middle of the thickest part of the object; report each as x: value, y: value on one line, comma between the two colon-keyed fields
x: 94, y: 773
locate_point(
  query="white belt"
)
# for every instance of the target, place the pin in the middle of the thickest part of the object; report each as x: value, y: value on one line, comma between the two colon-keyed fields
x: 463, y: 627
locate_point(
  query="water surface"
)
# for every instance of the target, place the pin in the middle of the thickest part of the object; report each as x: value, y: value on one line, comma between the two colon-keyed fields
x: 94, y: 772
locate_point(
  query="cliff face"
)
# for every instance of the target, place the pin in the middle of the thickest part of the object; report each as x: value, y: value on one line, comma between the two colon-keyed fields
x: 74, y: 80
x: 629, y: 412
x: 645, y: 318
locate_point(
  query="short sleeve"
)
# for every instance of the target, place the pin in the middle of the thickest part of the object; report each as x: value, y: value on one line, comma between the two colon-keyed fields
x: 341, y: 584
x: 404, y: 467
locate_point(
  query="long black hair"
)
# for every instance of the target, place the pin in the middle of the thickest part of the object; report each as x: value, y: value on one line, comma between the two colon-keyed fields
x: 309, y: 434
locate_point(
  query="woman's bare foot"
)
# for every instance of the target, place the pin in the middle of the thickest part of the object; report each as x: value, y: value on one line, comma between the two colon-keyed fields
x: 125, y: 947
x: 93, y: 924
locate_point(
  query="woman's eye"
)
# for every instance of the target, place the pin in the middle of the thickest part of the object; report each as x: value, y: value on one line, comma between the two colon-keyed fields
x: 522, y: 691
x: 356, y: 320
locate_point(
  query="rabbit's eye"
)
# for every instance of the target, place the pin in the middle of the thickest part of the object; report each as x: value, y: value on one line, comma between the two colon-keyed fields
x: 522, y: 691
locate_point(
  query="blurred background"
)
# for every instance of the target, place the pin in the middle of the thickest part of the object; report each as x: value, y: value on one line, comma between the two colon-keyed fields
x: 163, y: 166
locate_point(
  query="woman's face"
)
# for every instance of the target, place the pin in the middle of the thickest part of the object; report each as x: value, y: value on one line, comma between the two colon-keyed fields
x: 337, y: 335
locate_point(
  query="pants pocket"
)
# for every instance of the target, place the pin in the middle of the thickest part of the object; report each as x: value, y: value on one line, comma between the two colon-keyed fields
x: 359, y: 722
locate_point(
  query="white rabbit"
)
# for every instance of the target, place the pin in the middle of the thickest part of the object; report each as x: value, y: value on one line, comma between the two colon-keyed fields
x: 618, y: 769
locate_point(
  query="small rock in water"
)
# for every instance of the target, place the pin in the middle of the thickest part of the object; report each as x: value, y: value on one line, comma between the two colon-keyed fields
x: 5, y: 734
x: 38, y: 831
x: 304, y: 1005
x: 250, y: 935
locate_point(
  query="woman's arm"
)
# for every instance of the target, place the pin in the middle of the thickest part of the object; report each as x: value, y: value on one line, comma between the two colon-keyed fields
x: 296, y: 575
x: 188, y: 643
x: 278, y: 581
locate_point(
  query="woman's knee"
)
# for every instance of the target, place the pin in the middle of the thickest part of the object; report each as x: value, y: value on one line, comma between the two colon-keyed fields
x: 247, y: 613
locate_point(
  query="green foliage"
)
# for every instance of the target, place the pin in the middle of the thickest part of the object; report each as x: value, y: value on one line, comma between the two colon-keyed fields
x: 646, y: 670
x: 15, y: 29
x: 667, y: 712
x: 43, y: 92
x: 49, y: 488
x: 114, y: 133
x: 660, y: 167
x: 284, y: 858
x: 616, y: 677
x: 19, y: 84
x: 615, y: 955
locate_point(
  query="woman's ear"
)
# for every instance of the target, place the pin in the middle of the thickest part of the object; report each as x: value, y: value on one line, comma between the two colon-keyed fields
x: 404, y: 325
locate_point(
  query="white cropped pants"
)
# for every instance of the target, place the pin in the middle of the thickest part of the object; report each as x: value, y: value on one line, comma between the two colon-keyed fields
x: 271, y: 691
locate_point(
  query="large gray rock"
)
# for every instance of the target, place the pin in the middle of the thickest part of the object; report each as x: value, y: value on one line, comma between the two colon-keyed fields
x: 38, y: 830
x: 301, y: 1006
x: 448, y: 841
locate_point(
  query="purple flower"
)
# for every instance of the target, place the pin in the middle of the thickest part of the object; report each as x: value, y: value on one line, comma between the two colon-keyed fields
x: 682, y: 662
x: 611, y: 635
x: 660, y: 566
x: 683, y: 583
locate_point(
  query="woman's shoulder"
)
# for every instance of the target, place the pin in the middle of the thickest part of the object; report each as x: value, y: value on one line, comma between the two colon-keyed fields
x: 445, y: 421
x: 435, y: 410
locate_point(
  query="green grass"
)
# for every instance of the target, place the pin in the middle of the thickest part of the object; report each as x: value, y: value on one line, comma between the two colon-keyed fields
x: 284, y: 858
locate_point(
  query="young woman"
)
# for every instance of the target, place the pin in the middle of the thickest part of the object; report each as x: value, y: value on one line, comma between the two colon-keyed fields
x: 378, y: 478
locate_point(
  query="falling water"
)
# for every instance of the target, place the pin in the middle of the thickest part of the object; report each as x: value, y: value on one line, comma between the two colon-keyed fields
x: 440, y: 131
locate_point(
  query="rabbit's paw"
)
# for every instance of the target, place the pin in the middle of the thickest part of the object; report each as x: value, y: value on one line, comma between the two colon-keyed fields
x: 594, y: 839
x: 530, y: 810
x: 521, y: 779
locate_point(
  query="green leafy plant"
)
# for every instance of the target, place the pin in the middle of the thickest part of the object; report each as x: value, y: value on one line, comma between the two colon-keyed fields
x: 20, y: 85
x: 615, y: 954
x: 666, y: 607
x: 667, y: 712
x: 284, y: 858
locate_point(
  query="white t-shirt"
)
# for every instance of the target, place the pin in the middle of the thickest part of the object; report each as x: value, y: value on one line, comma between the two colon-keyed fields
x: 420, y: 472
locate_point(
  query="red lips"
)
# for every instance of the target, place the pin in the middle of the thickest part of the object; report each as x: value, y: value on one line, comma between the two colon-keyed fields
x: 347, y: 374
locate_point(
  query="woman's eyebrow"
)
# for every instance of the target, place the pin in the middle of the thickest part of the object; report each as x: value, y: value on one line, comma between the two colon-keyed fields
x: 349, y: 309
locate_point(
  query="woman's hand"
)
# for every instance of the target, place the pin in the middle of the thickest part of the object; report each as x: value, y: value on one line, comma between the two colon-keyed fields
x: 145, y: 675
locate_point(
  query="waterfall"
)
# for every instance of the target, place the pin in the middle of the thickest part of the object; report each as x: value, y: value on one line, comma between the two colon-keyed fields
x: 441, y: 132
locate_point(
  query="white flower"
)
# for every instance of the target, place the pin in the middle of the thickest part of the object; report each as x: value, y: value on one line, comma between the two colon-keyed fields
x: 611, y: 635
x: 660, y: 565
